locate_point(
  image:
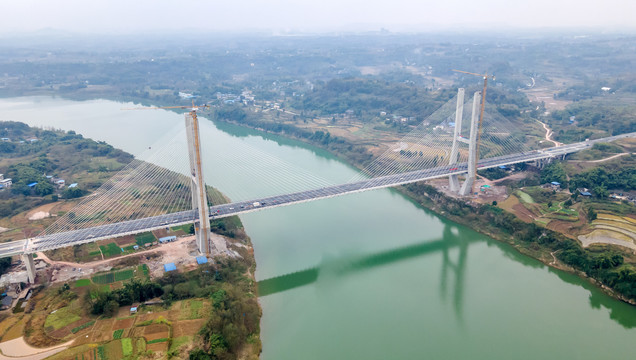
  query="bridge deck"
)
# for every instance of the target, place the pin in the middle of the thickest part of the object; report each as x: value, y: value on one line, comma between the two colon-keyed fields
x: 81, y: 236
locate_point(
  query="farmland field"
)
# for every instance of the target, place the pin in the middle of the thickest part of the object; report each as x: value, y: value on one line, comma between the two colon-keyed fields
x: 62, y: 317
x: 82, y: 282
x: 112, y: 277
x: 110, y: 250
x: 144, y: 238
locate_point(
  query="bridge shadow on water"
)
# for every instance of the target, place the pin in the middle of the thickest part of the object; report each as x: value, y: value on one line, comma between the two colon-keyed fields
x: 349, y: 265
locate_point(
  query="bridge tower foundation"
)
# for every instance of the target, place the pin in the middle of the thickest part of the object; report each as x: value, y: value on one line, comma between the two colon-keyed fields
x: 30, y: 267
x: 472, y: 147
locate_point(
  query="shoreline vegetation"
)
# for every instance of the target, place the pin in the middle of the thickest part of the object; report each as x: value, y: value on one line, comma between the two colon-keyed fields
x: 603, y: 266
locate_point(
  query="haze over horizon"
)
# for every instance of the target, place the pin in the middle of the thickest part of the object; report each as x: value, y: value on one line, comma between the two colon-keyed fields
x: 287, y: 16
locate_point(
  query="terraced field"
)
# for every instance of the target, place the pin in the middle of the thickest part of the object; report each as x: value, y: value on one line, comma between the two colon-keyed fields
x: 611, y: 229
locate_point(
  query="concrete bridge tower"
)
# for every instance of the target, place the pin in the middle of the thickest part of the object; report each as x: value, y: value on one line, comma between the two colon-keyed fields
x: 459, y: 113
x: 453, y: 180
x: 199, y: 193
x: 467, y: 186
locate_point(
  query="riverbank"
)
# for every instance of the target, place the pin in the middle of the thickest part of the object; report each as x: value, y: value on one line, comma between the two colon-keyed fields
x: 183, y: 299
x: 608, y: 268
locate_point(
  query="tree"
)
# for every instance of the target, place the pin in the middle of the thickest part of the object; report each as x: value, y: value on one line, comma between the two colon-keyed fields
x: 591, y: 214
x: 110, y: 308
x: 43, y: 188
x: 494, y: 203
x: 600, y: 191
x: 554, y: 172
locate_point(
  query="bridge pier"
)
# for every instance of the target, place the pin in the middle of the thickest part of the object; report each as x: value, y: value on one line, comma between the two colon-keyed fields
x: 472, y: 147
x: 541, y: 163
x: 30, y: 267
x: 459, y: 113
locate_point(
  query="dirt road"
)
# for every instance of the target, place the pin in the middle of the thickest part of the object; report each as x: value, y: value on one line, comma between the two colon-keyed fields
x: 548, y: 134
x: 179, y: 251
x: 602, y: 160
x: 19, y: 349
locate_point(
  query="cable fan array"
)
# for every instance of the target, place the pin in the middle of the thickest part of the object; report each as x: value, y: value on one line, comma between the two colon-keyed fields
x: 158, y: 181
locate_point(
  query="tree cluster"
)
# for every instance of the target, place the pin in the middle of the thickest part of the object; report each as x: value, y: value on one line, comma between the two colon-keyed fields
x: 107, y: 303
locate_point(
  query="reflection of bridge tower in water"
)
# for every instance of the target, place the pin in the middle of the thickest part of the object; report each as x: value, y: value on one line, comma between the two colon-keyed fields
x: 458, y: 268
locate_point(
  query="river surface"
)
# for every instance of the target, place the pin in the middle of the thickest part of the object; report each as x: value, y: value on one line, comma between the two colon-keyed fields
x: 369, y: 275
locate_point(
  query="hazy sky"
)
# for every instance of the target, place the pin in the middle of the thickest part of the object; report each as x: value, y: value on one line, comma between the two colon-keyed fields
x: 124, y: 16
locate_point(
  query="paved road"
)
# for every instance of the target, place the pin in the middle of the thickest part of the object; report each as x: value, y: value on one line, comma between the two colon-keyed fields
x: 75, y: 237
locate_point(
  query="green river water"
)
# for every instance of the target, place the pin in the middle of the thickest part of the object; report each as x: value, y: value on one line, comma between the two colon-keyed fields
x: 369, y: 275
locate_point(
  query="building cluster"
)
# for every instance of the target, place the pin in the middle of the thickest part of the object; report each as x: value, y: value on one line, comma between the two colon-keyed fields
x: 25, y: 141
x: 5, y: 183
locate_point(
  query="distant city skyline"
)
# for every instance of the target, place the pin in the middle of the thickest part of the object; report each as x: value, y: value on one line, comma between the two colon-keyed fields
x: 120, y: 17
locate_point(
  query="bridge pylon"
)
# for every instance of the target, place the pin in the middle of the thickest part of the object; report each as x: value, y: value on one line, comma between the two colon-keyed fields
x: 467, y: 186
x: 199, y: 194
x: 459, y: 113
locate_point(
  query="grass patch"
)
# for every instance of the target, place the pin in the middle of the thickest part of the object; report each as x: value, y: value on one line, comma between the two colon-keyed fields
x: 124, y: 275
x: 101, y: 353
x: 195, y: 307
x: 185, y: 228
x: 84, y: 326
x: 82, y: 282
x: 111, y: 249
x: 157, y: 341
x: 524, y: 197
x: 18, y: 306
x: 127, y: 346
x: 62, y: 317
x: 118, y: 333
x: 178, y: 342
x: 104, y: 278
x: 94, y: 253
x: 144, y: 323
x: 144, y: 269
x: 144, y: 238
x: 111, y: 277
x: 141, y: 345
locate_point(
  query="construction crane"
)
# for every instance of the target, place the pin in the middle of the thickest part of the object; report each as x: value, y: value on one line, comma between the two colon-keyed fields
x: 481, y: 110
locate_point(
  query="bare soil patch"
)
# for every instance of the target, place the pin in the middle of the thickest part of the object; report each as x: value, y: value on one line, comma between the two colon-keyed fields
x: 123, y: 323
x: 522, y: 213
x: 16, y: 330
x: 101, y: 331
x: 40, y: 212
x: 187, y: 327
x: 125, y: 240
x: 158, y: 347
x: 156, y: 331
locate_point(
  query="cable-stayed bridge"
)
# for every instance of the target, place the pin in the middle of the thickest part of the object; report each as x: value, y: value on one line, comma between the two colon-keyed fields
x: 160, y: 200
